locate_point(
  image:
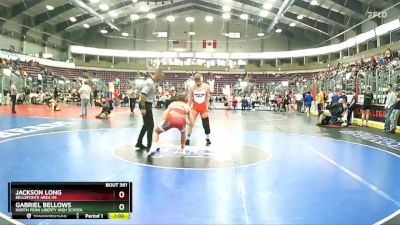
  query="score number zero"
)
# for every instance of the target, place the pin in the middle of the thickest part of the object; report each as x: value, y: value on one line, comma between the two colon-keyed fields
x: 121, y: 195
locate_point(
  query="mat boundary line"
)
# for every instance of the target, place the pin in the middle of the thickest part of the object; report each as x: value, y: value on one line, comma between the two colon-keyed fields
x: 10, y: 220
x: 391, y: 216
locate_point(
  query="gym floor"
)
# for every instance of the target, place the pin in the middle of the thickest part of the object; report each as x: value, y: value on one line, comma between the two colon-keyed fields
x: 262, y: 167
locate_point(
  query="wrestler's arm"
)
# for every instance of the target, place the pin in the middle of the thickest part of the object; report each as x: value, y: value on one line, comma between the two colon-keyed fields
x: 142, y: 104
x: 190, y: 97
x: 208, y: 95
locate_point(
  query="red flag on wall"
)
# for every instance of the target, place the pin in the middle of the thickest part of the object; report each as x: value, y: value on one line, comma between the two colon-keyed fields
x: 209, y: 44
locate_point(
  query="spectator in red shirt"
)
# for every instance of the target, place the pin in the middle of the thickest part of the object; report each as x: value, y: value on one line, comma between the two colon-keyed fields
x: 279, y: 102
x: 116, y: 96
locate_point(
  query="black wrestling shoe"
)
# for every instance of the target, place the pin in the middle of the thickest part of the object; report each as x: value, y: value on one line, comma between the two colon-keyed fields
x: 208, y: 142
x: 140, y: 146
x: 187, y: 142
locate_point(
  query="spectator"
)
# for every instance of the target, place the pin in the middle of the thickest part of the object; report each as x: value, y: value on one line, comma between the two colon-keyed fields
x: 110, y: 91
x: 162, y: 100
x: 40, y: 79
x: 210, y: 105
x: 304, y: 98
x: 116, y: 97
x: 320, y: 101
x: 308, y: 99
x: 243, y: 103
x: 368, y: 97
x: 343, y: 96
x: 351, y: 107
x: 132, y: 94
x: 293, y: 106
x: 373, y: 62
x: 330, y: 95
x: 56, y: 94
x: 253, y: 97
x: 234, y: 102
x: 390, y: 101
x: 84, y: 93
x: 27, y: 94
x: 395, y: 114
x: 248, y: 101
x: 13, y: 95
x: 388, y: 55
x: 299, y: 101
x: 279, y: 102
x: 335, y: 97
x: 226, y: 102
x: 286, y: 102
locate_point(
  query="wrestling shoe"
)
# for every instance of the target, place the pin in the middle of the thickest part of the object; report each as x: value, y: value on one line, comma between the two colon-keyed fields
x: 140, y: 146
x: 180, y: 152
x: 208, y: 142
x: 187, y: 142
x: 152, y: 151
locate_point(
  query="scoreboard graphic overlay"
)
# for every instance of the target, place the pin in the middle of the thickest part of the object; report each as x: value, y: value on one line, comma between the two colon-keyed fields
x: 70, y: 200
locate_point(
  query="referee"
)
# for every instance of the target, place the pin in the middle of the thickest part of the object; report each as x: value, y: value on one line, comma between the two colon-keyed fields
x: 13, y: 95
x: 145, y: 105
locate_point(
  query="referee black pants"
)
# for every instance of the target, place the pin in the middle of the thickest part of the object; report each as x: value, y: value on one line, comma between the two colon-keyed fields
x: 13, y: 102
x: 148, y: 126
x: 132, y: 103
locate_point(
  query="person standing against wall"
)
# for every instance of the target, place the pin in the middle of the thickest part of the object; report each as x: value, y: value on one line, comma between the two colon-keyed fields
x: 365, y: 111
x: 320, y: 101
x: 390, y: 100
x: 147, y: 95
x: 351, y: 107
x: 395, y: 114
x: 13, y: 95
x: 84, y: 93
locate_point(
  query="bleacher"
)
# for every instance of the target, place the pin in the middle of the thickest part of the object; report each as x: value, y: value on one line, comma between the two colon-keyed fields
x: 171, y: 78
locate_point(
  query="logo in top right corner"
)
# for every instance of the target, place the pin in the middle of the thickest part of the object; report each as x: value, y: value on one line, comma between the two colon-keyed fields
x: 377, y: 14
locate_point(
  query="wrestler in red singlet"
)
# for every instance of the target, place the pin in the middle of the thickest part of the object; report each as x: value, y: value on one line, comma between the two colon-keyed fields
x: 176, y: 117
x: 173, y: 117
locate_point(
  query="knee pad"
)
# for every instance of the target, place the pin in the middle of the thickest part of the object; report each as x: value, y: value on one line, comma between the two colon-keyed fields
x: 206, y: 125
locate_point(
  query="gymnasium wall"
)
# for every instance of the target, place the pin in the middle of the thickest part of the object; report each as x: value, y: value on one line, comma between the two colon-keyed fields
x: 33, y: 41
x: 6, y: 41
x: 249, y: 41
